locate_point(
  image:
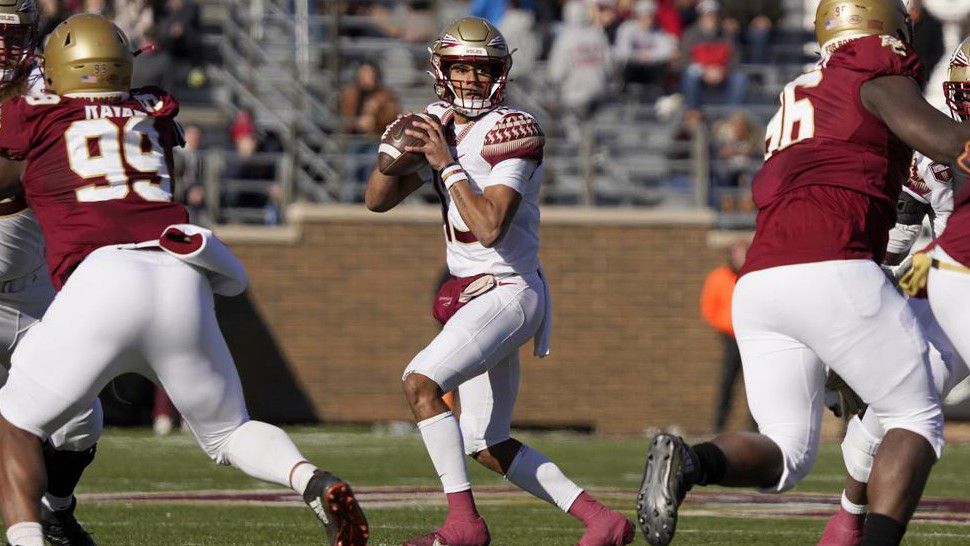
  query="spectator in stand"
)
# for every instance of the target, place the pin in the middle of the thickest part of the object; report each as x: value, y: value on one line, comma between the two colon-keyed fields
x: 607, y: 16
x: 178, y: 30
x: 927, y: 36
x: 52, y: 12
x: 580, y: 63
x: 134, y: 17
x: 154, y: 65
x: 738, y: 152
x: 754, y: 21
x: 643, y: 50
x: 366, y: 105
x: 273, y: 211
x: 519, y: 28
x: 716, y: 310
x: 188, y: 158
x: 668, y: 17
x: 196, y: 206
x: 246, y: 165
x: 711, y: 57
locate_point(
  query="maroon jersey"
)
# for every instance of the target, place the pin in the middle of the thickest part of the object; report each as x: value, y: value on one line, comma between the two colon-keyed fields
x: 955, y: 239
x: 833, y: 170
x: 97, y: 171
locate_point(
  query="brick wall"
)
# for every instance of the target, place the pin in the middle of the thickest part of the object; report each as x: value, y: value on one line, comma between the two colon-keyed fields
x: 345, y: 296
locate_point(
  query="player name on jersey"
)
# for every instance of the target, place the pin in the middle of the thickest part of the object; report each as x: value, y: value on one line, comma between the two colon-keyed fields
x: 101, y: 111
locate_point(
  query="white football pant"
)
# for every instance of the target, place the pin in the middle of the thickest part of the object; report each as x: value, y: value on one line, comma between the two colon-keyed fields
x: 477, y: 351
x: 949, y: 296
x: 23, y: 302
x: 793, y: 321
x: 863, y: 436
x: 146, y: 312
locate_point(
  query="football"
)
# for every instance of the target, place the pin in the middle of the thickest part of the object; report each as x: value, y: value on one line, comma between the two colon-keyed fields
x: 392, y: 160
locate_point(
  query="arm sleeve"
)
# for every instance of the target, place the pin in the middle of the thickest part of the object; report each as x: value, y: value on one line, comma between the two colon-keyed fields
x: 902, y: 237
x: 515, y: 173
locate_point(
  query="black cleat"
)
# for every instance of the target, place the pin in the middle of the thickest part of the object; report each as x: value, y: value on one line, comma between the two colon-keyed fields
x: 334, y: 504
x: 62, y: 529
x: 664, y: 485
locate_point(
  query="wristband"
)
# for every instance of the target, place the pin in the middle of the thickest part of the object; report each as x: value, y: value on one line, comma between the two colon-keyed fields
x: 451, y: 175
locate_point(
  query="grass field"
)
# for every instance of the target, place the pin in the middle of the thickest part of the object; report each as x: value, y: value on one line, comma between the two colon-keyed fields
x: 148, y: 490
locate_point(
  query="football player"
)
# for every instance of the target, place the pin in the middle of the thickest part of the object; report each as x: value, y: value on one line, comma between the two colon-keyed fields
x: 135, y: 284
x: 485, y: 159
x: 26, y: 291
x: 812, y: 294
x: 927, y: 192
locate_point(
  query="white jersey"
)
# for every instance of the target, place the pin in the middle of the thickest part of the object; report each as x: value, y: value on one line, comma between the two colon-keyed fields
x: 931, y: 183
x: 504, y: 147
x: 21, y: 242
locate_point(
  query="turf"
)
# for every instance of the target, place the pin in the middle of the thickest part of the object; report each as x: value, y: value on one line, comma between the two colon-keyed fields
x: 134, y: 460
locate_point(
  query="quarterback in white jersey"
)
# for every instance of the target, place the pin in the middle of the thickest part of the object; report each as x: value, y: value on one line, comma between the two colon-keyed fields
x: 928, y: 192
x: 26, y: 290
x: 485, y: 160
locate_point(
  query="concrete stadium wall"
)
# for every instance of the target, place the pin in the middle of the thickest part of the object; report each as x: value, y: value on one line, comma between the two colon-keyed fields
x: 340, y: 302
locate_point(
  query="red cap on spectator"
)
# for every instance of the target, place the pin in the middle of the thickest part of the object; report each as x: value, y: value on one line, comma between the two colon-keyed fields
x: 242, y: 126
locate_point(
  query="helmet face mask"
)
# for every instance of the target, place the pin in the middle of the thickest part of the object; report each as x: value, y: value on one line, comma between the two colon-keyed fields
x: 957, y: 87
x: 18, y: 38
x: 17, y: 44
x: 470, y: 64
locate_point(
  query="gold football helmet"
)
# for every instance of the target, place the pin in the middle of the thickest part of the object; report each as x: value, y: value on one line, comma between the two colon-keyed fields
x: 836, y: 19
x: 957, y: 86
x: 18, y: 38
x: 88, y: 54
x: 476, y: 42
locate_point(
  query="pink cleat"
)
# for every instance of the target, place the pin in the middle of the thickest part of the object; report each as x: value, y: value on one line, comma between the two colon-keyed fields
x: 472, y: 532
x: 610, y: 528
x: 843, y: 529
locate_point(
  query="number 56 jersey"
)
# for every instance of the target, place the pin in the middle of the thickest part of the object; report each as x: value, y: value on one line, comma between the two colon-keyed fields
x: 97, y: 171
x: 833, y: 170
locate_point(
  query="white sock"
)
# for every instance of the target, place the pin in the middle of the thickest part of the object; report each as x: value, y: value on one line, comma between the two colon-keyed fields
x: 300, y: 476
x: 264, y: 452
x: 533, y: 472
x: 28, y: 533
x: 851, y: 507
x: 442, y: 438
x: 56, y: 504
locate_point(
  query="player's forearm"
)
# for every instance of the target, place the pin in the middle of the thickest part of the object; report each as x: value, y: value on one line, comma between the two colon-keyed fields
x: 386, y: 192
x: 483, y: 217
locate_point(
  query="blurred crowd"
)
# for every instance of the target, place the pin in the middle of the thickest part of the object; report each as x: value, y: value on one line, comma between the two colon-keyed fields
x: 683, y: 55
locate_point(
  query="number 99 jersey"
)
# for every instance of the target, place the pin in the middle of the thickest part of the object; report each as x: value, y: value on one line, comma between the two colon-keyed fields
x: 824, y: 141
x: 97, y: 171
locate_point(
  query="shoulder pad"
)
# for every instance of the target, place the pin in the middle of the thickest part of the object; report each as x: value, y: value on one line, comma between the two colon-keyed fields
x: 515, y: 135
x: 441, y: 109
x: 879, y: 55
